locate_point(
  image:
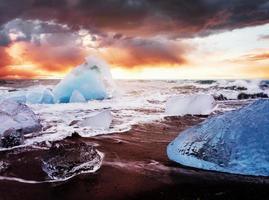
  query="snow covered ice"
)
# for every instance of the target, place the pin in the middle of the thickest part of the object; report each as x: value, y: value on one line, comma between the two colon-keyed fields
x: 235, y: 142
x: 196, y: 104
x: 91, y: 79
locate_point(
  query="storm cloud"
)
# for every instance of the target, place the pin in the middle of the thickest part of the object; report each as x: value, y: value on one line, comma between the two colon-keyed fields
x: 133, y: 32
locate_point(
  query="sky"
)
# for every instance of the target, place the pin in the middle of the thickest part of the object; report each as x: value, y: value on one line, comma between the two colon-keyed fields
x: 140, y: 39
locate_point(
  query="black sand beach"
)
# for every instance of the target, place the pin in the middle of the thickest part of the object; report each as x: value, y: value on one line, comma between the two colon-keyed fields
x: 135, y: 167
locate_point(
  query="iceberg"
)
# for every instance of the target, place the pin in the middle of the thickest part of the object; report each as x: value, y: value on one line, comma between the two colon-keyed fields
x: 91, y: 79
x: 235, y: 142
x: 98, y: 120
x: 16, y: 119
x: 77, y: 97
x: 196, y: 104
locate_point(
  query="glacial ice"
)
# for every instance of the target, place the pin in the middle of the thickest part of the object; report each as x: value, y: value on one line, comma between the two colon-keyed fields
x: 97, y: 120
x: 16, y: 118
x: 66, y: 160
x: 77, y: 97
x: 40, y: 96
x: 91, y: 79
x: 196, y: 104
x: 235, y: 142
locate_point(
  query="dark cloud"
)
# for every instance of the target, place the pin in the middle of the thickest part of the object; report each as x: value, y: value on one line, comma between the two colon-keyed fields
x: 31, y: 31
x: 264, y: 37
x: 136, y: 52
x: 142, y: 17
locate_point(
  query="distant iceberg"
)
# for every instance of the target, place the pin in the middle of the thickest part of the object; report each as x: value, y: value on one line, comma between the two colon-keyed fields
x: 235, y: 142
x: 196, y: 104
x: 91, y: 79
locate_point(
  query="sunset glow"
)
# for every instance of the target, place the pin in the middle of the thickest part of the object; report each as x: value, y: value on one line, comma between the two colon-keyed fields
x: 50, y: 47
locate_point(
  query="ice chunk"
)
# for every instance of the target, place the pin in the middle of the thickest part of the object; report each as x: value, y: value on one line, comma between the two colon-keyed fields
x: 11, y: 137
x: 19, y: 97
x: 48, y: 97
x: 77, y: 97
x: 235, y: 142
x: 101, y: 119
x: 91, y: 79
x: 40, y: 96
x: 66, y: 160
x: 17, y: 117
x: 196, y: 104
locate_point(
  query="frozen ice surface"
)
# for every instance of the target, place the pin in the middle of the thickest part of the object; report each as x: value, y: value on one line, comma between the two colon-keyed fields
x: 101, y: 119
x: 235, y: 142
x: 91, y: 79
x: 77, y: 97
x: 196, y: 104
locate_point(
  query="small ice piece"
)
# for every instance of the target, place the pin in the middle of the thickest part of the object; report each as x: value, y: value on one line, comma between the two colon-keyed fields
x: 65, y: 160
x: 77, y: 97
x: 40, y: 96
x: 11, y: 138
x: 17, y: 117
x: 48, y: 97
x: 98, y: 120
x: 235, y: 142
x: 196, y: 104
x: 91, y: 79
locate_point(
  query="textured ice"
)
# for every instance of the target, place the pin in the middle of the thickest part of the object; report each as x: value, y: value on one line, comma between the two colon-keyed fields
x: 91, y: 79
x: 101, y: 119
x: 235, y: 142
x: 66, y: 160
x: 18, y: 116
x: 196, y: 104
x: 16, y: 119
x: 40, y: 96
x: 19, y: 97
x: 77, y: 97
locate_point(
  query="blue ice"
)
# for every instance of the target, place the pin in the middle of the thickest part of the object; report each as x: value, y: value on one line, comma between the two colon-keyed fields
x: 235, y: 142
x: 77, y: 97
x: 87, y: 79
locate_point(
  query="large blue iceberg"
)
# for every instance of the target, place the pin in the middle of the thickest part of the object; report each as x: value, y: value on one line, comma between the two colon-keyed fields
x: 235, y: 142
x: 90, y: 80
